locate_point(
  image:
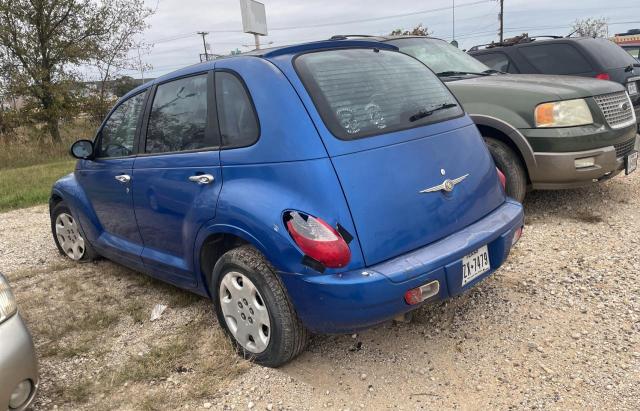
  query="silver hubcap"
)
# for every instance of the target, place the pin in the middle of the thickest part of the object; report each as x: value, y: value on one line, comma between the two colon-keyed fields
x: 69, y: 237
x: 244, y: 312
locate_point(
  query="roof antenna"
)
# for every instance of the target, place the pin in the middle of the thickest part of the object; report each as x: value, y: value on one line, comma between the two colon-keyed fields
x: 572, y: 33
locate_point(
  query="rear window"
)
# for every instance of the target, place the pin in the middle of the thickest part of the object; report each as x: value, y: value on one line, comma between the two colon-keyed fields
x: 366, y: 92
x: 556, y: 59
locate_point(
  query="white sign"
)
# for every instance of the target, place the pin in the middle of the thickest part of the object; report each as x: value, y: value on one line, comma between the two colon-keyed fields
x: 254, y: 18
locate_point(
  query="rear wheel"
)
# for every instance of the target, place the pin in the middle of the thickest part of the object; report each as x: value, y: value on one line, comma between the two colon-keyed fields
x: 67, y: 235
x: 509, y: 163
x: 253, y: 308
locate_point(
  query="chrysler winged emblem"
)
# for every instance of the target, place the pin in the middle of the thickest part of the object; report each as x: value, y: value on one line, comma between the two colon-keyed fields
x: 447, y: 185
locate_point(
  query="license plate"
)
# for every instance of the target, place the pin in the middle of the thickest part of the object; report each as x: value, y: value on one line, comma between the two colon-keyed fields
x: 631, y: 163
x: 475, y: 264
x: 632, y: 87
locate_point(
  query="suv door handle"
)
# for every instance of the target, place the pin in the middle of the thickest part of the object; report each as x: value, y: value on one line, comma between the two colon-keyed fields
x: 202, y: 178
x: 123, y: 178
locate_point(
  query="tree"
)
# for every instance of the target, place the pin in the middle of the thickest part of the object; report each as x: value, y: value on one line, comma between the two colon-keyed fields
x: 48, y: 40
x: 124, y: 84
x: 591, y: 27
x: 418, y: 30
x: 114, y: 54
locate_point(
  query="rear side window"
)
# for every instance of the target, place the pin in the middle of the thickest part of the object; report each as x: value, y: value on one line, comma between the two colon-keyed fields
x: 178, y: 119
x: 119, y: 131
x: 362, y: 92
x: 497, y: 61
x: 608, y: 53
x: 556, y: 59
x: 236, y: 116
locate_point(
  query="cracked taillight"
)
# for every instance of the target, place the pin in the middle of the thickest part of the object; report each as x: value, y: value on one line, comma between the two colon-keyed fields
x: 317, y: 239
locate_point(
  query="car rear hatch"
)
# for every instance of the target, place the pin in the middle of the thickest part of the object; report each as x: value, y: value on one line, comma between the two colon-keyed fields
x: 409, y: 178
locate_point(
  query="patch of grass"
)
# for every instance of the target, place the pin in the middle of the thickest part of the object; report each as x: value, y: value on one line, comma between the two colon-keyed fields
x: 27, y: 186
x: 135, y: 308
x: 32, y: 272
x: 32, y: 145
x: 158, y: 363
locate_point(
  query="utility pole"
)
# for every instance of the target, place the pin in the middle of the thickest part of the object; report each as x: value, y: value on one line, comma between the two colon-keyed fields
x: 453, y: 23
x: 501, y: 17
x: 204, y: 44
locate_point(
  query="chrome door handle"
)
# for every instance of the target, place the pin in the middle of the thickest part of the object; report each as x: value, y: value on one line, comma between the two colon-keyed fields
x: 202, y: 178
x: 123, y: 178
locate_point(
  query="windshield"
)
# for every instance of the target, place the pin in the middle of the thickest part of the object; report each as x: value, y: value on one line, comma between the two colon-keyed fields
x: 366, y: 92
x: 439, y: 55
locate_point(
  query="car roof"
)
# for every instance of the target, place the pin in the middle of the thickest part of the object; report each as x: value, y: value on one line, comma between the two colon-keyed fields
x: 381, y: 38
x: 531, y: 40
x: 267, y: 53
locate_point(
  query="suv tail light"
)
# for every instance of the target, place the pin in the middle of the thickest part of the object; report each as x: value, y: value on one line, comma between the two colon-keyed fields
x: 317, y: 239
x: 503, y: 179
x: 603, y: 76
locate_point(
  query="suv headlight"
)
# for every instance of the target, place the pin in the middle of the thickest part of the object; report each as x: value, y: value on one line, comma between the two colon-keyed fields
x: 8, y: 305
x: 565, y: 113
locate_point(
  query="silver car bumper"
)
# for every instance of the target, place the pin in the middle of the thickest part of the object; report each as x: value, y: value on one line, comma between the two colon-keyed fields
x: 17, y: 361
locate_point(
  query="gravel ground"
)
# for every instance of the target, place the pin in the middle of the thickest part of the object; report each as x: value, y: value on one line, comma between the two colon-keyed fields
x: 557, y: 327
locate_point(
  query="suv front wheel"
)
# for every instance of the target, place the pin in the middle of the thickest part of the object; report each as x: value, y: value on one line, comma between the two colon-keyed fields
x: 509, y: 163
x: 254, y: 309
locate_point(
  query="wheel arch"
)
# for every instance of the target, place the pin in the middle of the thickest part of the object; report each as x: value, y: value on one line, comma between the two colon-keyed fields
x: 511, y: 136
x: 212, y: 242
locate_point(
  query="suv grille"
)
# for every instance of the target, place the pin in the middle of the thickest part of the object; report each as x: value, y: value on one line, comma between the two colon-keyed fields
x: 622, y: 149
x: 611, y: 106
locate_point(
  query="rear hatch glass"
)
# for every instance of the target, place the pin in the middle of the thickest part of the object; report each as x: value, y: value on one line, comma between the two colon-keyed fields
x: 365, y: 92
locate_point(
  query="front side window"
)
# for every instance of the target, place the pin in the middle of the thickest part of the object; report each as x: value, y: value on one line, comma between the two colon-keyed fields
x: 556, y: 59
x: 365, y: 92
x: 178, y: 119
x: 238, y: 122
x: 439, y: 55
x: 119, y: 131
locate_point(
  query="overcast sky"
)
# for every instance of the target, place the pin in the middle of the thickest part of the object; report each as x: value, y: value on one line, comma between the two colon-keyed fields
x: 175, y: 23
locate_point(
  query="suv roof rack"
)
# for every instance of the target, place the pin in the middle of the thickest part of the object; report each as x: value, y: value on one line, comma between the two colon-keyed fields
x: 512, y: 41
x: 347, y: 36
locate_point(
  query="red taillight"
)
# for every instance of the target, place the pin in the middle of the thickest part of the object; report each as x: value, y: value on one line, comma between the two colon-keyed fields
x: 603, y: 76
x: 503, y: 179
x: 318, y: 239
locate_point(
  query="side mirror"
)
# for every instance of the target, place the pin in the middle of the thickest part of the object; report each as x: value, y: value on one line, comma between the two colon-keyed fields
x: 82, y: 149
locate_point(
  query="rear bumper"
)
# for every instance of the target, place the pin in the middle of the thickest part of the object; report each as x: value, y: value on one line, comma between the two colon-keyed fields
x: 17, y: 361
x: 558, y: 171
x: 346, y: 302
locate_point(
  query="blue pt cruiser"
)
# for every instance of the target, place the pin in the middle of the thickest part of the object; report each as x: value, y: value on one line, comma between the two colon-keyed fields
x: 323, y: 187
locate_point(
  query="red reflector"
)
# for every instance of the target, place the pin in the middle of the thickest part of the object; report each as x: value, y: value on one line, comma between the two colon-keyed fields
x: 503, y: 179
x: 419, y: 294
x: 603, y: 76
x: 318, y: 240
x: 517, y: 235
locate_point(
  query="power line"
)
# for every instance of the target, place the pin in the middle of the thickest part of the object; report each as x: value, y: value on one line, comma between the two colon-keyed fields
x: 393, y: 16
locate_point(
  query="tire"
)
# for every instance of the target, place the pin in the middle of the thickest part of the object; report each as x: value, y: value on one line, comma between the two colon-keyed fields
x: 509, y: 163
x: 68, y: 236
x: 287, y: 336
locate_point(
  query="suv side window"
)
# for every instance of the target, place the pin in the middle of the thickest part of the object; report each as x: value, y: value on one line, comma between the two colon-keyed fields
x: 556, y: 59
x: 498, y: 61
x: 236, y: 115
x: 119, y: 131
x: 178, y: 119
